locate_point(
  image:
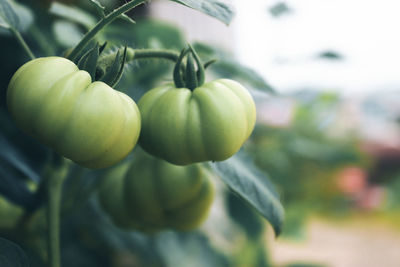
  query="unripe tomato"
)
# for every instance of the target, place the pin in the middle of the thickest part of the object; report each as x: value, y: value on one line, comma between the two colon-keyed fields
x: 151, y: 194
x: 111, y: 196
x: 209, y: 123
x: 90, y: 123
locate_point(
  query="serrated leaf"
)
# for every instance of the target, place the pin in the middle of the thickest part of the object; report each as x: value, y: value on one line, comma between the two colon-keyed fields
x: 246, y: 180
x: 9, y: 18
x: 100, y: 8
x: 73, y: 14
x: 11, y: 255
x: 213, y: 8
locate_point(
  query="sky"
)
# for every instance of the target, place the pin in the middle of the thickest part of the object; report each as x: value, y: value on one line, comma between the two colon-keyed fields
x: 284, y: 49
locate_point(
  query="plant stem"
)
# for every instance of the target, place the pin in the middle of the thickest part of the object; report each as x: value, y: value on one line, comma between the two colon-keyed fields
x: 151, y: 53
x: 54, y: 179
x: 22, y: 42
x: 101, y: 24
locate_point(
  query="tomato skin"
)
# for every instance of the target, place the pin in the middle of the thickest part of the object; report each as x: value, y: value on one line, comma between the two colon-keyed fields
x: 150, y: 194
x: 209, y: 123
x: 90, y: 123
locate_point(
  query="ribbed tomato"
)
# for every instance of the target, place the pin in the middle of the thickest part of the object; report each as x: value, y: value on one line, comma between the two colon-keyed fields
x: 90, y: 123
x: 209, y: 123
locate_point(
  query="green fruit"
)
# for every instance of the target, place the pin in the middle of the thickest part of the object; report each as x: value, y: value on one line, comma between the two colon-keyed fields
x: 90, y: 123
x: 209, y: 123
x: 150, y: 194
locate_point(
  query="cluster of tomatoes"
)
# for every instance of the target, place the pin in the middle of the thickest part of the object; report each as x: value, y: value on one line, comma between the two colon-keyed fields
x: 96, y: 127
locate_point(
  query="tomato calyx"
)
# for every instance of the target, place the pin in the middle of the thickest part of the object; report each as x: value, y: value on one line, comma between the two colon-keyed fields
x: 105, y: 68
x: 190, y: 74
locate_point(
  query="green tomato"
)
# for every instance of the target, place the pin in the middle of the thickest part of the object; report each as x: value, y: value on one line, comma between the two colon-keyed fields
x: 90, y: 123
x: 209, y: 123
x: 150, y: 194
x: 111, y: 197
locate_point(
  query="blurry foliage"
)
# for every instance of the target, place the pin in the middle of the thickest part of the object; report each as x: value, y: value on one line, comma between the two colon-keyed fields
x: 303, y: 159
x: 279, y: 9
x: 330, y: 55
x: 11, y: 255
x: 226, y: 67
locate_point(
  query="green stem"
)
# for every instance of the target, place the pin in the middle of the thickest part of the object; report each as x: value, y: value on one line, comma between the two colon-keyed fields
x: 42, y: 40
x: 54, y: 179
x: 101, y: 24
x: 22, y: 42
x: 151, y: 53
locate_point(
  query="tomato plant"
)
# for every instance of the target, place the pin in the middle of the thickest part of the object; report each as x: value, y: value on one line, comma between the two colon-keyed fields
x: 75, y: 105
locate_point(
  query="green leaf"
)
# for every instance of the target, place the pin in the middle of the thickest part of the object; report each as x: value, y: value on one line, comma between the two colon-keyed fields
x: 67, y: 34
x: 233, y: 69
x: 114, y: 72
x: 209, y: 63
x: 8, y: 17
x: 213, y: 8
x: 330, y: 55
x: 24, y: 16
x: 280, y: 9
x: 11, y: 255
x: 88, y: 61
x: 246, y: 180
x: 121, y: 69
x: 180, y: 249
x: 73, y: 14
x: 10, y: 155
x: 227, y: 67
x: 245, y: 216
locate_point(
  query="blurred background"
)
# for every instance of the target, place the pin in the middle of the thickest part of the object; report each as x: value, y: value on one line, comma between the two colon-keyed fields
x: 324, y: 74
x: 330, y: 138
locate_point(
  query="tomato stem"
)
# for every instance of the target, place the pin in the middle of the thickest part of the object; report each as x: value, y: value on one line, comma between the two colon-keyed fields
x: 151, y: 53
x: 54, y: 175
x: 101, y: 24
x: 22, y: 42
